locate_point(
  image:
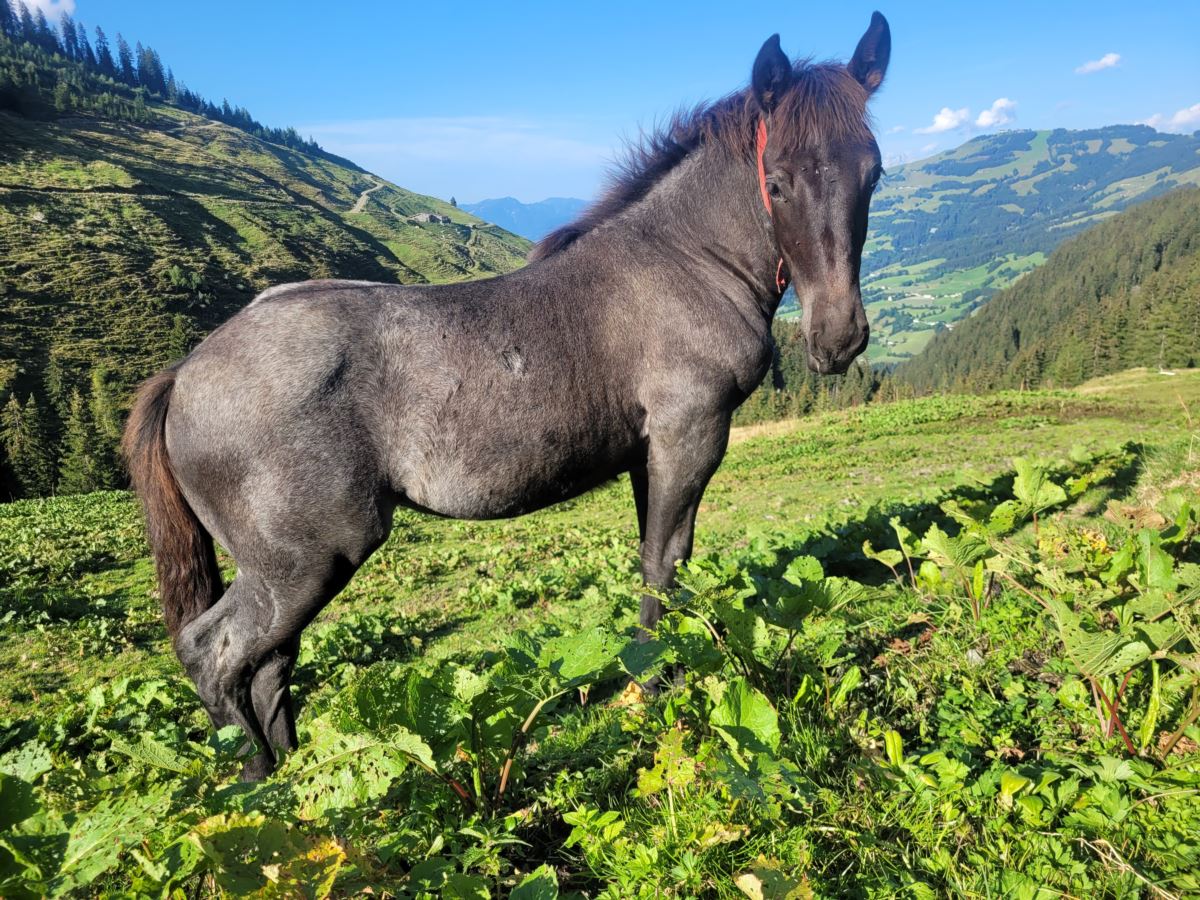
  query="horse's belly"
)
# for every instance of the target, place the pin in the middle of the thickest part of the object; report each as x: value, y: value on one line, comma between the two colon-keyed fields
x: 504, y: 482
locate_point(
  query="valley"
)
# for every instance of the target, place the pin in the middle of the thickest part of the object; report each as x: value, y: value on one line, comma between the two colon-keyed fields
x: 949, y: 231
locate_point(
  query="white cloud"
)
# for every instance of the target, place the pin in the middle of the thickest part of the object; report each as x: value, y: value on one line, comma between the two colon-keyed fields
x: 1107, y: 61
x: 946, y: 120
x: 52, y: 8
x: 1186, y: 119
x: 1002, y: 112
x: 895, y: 129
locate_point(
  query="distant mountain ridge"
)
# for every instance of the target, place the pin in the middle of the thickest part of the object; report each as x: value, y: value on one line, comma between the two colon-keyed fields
x: 1124, y: 294
x: 530, y: 220
x: 948, y: 231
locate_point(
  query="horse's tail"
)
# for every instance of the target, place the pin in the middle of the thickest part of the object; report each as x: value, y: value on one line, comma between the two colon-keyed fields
x: 189, y: 581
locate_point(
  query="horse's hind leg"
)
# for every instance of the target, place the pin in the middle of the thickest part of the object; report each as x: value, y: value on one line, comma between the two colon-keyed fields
x: 271, y: 695
x: 240, y: 653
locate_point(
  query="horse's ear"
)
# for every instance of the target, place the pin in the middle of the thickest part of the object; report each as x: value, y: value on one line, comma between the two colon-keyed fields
x: 870, y: 61
x: 772, y: 74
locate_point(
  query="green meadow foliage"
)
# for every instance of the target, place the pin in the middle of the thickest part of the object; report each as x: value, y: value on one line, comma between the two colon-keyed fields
x: 992, y: 693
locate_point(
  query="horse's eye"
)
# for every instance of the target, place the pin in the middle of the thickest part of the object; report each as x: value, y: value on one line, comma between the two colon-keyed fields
x: 774, y: 191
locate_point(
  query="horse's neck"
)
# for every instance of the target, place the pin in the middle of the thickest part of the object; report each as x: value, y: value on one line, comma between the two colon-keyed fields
x: 709, y: 211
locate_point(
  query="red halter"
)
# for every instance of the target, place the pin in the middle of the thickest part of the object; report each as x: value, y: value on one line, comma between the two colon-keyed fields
x: 781, y: 281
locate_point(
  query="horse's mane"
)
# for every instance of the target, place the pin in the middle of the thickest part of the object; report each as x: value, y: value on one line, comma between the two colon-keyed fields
x: 824, y: 102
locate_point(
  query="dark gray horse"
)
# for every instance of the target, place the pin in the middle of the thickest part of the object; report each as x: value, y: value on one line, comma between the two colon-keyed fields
x: 293, y: 431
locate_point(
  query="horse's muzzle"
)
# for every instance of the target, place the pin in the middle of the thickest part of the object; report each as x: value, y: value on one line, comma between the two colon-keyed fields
x: 836, y: 360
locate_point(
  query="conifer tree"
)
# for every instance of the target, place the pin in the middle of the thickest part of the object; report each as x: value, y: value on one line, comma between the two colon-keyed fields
x: 28, y: 31
x: 86, y: 56
x: 104, y: 57
x: 70, y: 39
x: 62, y: 95
x: 45, y: 36
x: 150, y: 70
x: 181, y: 337
x: 23, y: 433
x: 56, y: 386
x: 105, y: 408
x: 9, y: 25
x: 80, y: 470
x: 125, y: 70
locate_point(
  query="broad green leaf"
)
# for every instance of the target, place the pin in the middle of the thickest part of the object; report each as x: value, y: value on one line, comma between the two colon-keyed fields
x: 27, y: 762
x: 250, y: 855
x: 746, y: 718
x: 642, y: 659
x: 97, y: 838
x: 957, y: 553
x: 540, y: 884
x: 1004, y: 518
x: 1034, y: 489
x: 465, y: 887
x: 581, y: 656
x: 769, y: 879
x: 338, y: 771
x: 747, y: 631
x: 673, y: 768
x: 1012, y: 782
x: 904, y: 535
x: 150, y: 752
x: 890, y: 558
x: 1155, y: 566
x: 17, y: 801
x: 803, y: 569
x: 689, y: 642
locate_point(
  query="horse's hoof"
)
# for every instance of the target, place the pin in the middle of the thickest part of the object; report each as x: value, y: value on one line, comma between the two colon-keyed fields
x: 257, y: 768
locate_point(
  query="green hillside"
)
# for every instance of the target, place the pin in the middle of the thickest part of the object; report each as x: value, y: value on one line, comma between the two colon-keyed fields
x: 129, y: 227
x: 1125, y: 293
x: 949, y: 231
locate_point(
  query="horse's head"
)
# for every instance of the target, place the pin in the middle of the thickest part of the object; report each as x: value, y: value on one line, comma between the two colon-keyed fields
x: 819, y: 167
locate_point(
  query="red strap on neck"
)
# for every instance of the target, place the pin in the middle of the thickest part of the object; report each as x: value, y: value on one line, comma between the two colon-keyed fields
x: 781, y: 281
x: 762, y: 171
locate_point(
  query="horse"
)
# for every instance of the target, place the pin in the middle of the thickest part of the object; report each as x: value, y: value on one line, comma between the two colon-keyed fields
x: 292, y: 432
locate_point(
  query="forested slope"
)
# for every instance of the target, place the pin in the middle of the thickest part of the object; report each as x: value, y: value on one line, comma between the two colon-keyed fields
x: 1126, y: 293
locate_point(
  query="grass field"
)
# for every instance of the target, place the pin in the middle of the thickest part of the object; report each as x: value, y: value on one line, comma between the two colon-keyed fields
x: 839, y: 732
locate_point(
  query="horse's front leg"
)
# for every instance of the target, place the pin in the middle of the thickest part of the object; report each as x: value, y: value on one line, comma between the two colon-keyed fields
x: 681, y: 461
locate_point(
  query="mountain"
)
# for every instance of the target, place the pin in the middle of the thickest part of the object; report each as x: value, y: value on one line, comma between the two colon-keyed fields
x: 130, y: 227
x: 530, y: 220
x: 1125, y: 293
x: 949, y: 231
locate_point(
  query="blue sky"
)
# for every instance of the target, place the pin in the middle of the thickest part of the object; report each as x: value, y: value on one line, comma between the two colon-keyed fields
x: 532, y: 100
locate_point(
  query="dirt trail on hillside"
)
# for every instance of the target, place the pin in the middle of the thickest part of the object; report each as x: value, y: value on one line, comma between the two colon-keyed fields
x: 361, y: 203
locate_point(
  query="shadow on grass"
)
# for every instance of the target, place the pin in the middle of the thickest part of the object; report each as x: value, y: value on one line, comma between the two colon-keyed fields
x: 839, y: 545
